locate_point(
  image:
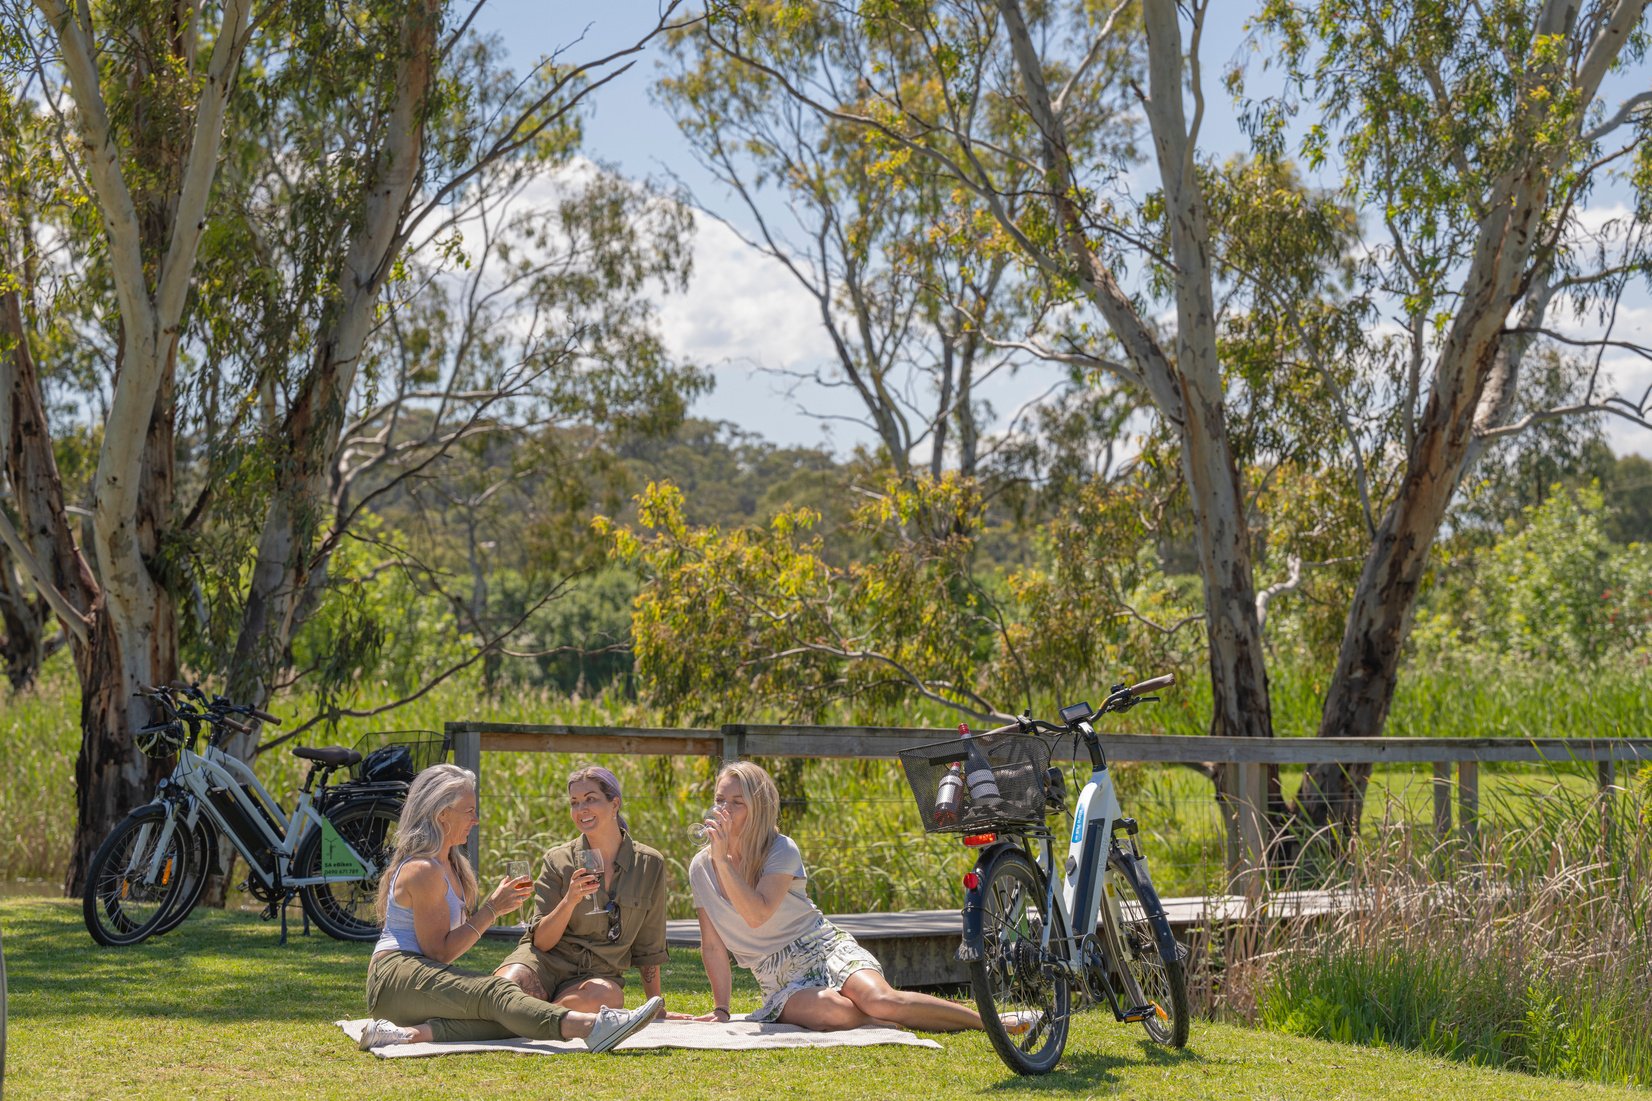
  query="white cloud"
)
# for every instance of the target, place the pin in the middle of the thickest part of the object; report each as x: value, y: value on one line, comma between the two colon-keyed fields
x: 746, y: 318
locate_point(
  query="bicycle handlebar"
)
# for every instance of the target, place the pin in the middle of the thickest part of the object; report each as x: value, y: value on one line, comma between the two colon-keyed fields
x: 217, y: 710
x: 1121, y: 700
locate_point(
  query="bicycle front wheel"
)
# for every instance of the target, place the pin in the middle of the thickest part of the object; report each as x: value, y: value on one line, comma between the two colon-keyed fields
x: 1020, y: 988
x: 134, y: 881
x: 202, y: 839
x: 349, y: 911
x: 1150, y: 977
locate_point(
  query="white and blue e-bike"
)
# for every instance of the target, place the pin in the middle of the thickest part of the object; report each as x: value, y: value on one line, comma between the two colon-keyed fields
x: 1036, y: 941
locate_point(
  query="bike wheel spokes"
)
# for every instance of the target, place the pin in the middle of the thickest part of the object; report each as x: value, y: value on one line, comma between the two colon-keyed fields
x: 134, y: 879
x: 1151, y: 978
x: 348, y: 910
x: 1020, y: 987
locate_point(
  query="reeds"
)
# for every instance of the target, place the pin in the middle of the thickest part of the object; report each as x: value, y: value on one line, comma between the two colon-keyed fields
x: 1532, y: 952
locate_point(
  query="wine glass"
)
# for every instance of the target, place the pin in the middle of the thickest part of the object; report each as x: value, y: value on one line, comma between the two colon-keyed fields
x: 698, y: 829
x: 516, y: 870
x: 591, y: 860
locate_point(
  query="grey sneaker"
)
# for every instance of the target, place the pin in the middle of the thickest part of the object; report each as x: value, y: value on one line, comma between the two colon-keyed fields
x: 381, y: 1033
x: 614, y: 1025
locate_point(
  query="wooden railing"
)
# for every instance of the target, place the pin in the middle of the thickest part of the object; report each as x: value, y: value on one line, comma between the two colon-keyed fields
x: 1242, y: 763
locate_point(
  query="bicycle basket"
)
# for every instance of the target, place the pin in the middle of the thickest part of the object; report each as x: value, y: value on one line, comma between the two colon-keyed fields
x: 397, y: 755
x: 1018, y: 765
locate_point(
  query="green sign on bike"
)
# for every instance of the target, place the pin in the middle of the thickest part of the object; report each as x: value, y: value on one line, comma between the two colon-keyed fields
x: 336, y: 857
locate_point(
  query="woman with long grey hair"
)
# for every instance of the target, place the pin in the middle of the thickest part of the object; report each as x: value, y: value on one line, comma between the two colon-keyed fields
x: 428, y: 904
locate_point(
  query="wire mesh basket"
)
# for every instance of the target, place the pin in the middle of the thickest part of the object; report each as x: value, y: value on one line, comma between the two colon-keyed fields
x: 397, y: 754
x: 1018, y: 765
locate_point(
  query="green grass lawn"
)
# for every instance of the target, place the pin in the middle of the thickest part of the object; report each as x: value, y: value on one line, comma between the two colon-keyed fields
x: 218, y: 1009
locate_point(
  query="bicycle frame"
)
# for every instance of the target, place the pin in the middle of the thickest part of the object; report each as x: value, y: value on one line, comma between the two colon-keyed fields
x: 188, y: 788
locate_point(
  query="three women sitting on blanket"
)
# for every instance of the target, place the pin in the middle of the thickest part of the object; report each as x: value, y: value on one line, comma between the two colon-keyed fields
x: 431, y: 917
x: 748, y: 885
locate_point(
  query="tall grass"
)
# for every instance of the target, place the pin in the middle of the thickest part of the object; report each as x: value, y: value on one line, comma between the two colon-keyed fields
x: 39, y: 737
x: 854, y: 819
x: 1534, y: 955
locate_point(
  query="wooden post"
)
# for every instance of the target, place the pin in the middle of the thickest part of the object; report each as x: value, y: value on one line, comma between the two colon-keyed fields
x: 1442, y: 801
x: 1227, y: 798
x: 734, y: 742
x: 1247, y: 832
x: 1606, y: 774
x: 1468, y: 802
x: 467, y: 753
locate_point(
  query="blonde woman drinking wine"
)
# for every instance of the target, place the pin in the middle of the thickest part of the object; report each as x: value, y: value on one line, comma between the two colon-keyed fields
x: 748, y: 885
x: 428, y: 905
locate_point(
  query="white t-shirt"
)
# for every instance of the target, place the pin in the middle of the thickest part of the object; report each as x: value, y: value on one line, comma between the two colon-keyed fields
x: 794, y: 916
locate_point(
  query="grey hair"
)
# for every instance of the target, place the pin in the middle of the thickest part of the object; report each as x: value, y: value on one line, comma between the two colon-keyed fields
x: 419, y: 834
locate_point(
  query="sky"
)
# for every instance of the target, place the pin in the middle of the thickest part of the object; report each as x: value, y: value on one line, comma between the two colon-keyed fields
x: 743, y: 316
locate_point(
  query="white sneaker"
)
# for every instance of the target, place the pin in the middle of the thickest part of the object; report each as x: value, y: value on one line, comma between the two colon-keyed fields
x: 1021, y: 1022
x: 381, y: 1033
x: 614, y: 1025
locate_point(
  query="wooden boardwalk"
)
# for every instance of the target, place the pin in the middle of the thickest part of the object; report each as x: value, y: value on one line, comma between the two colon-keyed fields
x: 919, y: 947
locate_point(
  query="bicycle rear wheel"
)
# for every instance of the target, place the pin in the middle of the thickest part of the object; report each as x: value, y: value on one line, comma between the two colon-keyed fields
x: 1150, y: 978
x: 122, y: 903
x: 349, y: 911
x: 1015, y: 977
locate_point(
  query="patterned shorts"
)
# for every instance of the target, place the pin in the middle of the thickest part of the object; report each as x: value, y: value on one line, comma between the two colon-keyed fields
x: 822, y: 958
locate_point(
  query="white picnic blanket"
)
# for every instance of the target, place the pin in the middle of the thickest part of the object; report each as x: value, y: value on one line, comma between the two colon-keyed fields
x: 704, y: 1035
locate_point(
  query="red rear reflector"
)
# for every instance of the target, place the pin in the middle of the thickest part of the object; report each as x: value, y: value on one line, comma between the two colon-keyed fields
x: 971, y: 881
x: 975, y: 840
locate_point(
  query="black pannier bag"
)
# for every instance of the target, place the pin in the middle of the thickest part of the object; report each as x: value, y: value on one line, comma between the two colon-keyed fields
x: 388, y: 763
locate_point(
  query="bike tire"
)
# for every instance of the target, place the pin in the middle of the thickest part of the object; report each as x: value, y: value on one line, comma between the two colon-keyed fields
x: 119, y: 909
x: 1150, y: 976
x: 349, y: 911
x: 201, y: 840
x: 1013, y: 975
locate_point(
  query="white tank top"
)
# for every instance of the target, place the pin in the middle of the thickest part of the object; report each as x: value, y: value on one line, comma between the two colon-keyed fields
x: 398, y: 935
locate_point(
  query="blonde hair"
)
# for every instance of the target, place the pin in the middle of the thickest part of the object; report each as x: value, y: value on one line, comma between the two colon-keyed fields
x: 419, y: 834
x: 762, y: 816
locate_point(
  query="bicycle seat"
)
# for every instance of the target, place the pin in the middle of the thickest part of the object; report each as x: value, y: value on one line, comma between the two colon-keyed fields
x: 335, y: 755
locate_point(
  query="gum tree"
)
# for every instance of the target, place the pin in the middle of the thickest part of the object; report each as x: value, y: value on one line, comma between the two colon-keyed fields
x: 170, y: 121
x: 1479, y: 132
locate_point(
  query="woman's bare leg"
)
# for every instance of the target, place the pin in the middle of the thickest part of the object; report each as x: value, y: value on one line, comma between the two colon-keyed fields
x: 590, y: 995
x: 872, y: 995
x: 822, y: 1010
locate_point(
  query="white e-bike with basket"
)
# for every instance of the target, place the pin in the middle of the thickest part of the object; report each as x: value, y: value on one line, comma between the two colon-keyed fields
x: 1036, y: 941
x: 147, y: 875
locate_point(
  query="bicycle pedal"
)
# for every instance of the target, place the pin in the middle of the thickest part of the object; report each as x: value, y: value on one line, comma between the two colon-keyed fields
x: 1144, y: 1012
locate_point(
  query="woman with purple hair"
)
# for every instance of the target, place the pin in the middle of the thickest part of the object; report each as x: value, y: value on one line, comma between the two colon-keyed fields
x: 589, y: 927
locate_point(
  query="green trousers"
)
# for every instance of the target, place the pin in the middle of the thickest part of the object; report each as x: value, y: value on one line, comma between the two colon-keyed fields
x: 458, y: 1005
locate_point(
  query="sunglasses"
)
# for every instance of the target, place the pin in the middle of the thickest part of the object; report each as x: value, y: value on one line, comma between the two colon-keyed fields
x: 613, y: 920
